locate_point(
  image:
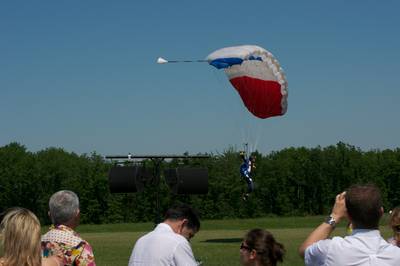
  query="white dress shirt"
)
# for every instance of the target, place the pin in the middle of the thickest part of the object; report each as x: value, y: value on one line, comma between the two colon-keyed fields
x: 162, y: 246
x: 362, y: 248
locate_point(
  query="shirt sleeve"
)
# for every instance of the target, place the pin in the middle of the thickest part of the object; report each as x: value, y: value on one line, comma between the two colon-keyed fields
x: 86, y: 258
x: 183, y: 255
x: 315, y: 255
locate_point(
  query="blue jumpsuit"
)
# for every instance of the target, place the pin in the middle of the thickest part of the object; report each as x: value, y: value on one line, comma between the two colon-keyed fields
x: 245, y: 170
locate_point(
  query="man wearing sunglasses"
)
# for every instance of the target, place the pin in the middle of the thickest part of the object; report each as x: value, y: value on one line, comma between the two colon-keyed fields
x: 168, y: 244
x: 362, y: 206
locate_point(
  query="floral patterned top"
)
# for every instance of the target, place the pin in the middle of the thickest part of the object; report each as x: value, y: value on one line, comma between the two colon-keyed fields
x: 77, y: 252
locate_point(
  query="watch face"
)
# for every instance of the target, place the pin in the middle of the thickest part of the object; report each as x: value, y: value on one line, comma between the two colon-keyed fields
x: 329, y: 220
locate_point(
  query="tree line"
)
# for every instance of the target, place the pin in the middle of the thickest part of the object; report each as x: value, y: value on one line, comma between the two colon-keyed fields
x: 292, y: 181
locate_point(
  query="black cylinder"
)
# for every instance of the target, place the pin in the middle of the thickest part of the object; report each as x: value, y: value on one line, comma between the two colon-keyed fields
x: 187, y: 180
x: 125, y: 179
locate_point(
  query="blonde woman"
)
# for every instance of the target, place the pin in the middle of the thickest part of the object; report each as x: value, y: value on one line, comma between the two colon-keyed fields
x: 20, y: 237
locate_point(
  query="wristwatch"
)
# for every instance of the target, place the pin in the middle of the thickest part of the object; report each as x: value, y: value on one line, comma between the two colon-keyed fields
x: 331, y: 221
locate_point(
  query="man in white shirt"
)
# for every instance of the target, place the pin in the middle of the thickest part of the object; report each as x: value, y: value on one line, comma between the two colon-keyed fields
x: 362, y: 206
x: 168, y: 244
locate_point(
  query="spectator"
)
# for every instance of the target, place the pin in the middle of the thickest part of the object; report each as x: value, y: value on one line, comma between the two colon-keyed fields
x: 362, y: 206
x: 168, y: 244
x: 395, y: 226
x: 65, y: 214
x: 259, y: 248
x: 20, y: 230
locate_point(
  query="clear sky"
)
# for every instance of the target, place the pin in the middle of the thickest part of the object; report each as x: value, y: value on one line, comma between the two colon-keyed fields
x: 81, y: 75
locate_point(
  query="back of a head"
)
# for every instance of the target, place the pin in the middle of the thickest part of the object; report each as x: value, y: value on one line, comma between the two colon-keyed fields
x: 269, y: 251
x: 182, y: 211
x: 364, y: 203
x: 20, y: 230
x: 64, y: 206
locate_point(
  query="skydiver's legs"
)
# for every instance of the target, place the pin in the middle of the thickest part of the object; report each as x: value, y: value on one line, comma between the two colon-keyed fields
x: 250, y: 184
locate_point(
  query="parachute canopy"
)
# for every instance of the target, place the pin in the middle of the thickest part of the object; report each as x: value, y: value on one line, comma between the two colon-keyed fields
x: 257, y: 77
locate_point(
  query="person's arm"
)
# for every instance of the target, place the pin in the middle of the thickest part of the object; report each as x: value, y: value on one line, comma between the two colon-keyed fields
x: 324, y: 230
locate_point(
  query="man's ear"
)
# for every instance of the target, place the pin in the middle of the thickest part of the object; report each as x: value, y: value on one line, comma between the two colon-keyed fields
x: 185, y: 222
x: 182, y: 224
x: 78, y: 215
x: 253, y: 254
x: 48, y: 213
x: 381, y: 211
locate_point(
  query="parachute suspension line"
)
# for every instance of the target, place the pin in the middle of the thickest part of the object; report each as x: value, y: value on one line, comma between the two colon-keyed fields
x: 250, y: 134
x: 257, y: 137
x: 237, y: 109
x: 253, y: 124
x: 244, y: 125
x: 246, y: 148
x: 245, y: 138
x: 243, y: 120
x: 241, y: 116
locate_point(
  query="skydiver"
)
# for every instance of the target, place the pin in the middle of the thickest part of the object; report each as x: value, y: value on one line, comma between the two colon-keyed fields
x: 245, y: 172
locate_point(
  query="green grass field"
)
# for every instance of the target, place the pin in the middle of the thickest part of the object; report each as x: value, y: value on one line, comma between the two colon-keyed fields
x: 217, y: 243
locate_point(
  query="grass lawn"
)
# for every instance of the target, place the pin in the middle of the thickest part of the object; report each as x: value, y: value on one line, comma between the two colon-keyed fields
x: 217, y: 243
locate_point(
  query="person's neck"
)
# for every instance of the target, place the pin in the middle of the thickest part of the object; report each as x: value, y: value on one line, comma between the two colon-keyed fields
x: 71, y: 224
x: 174, y: 226
x: 254, y: 263
x: 361, y: 228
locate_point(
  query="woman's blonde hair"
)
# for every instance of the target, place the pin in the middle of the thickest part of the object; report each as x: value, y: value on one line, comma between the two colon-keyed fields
x: 20, y: 237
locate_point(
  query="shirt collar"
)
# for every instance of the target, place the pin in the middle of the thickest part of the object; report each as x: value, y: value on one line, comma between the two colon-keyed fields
x: 64, y: 228
x: 165, y: 226
x: 369, y: 232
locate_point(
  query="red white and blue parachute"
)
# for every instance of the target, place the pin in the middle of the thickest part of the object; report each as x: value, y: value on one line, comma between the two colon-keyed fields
x: 257, y: 77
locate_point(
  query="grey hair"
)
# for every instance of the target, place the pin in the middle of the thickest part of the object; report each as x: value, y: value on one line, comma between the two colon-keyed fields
x: 63, y: 205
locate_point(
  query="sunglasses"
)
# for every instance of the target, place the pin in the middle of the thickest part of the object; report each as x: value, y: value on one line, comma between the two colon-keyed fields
x: 243, y: 246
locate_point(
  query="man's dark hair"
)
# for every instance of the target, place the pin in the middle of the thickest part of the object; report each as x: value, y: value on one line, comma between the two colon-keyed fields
x: 182, y: 211
x: 363, y: 203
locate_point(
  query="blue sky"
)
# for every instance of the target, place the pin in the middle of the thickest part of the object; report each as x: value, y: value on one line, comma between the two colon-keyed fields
x: 81, y: 75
